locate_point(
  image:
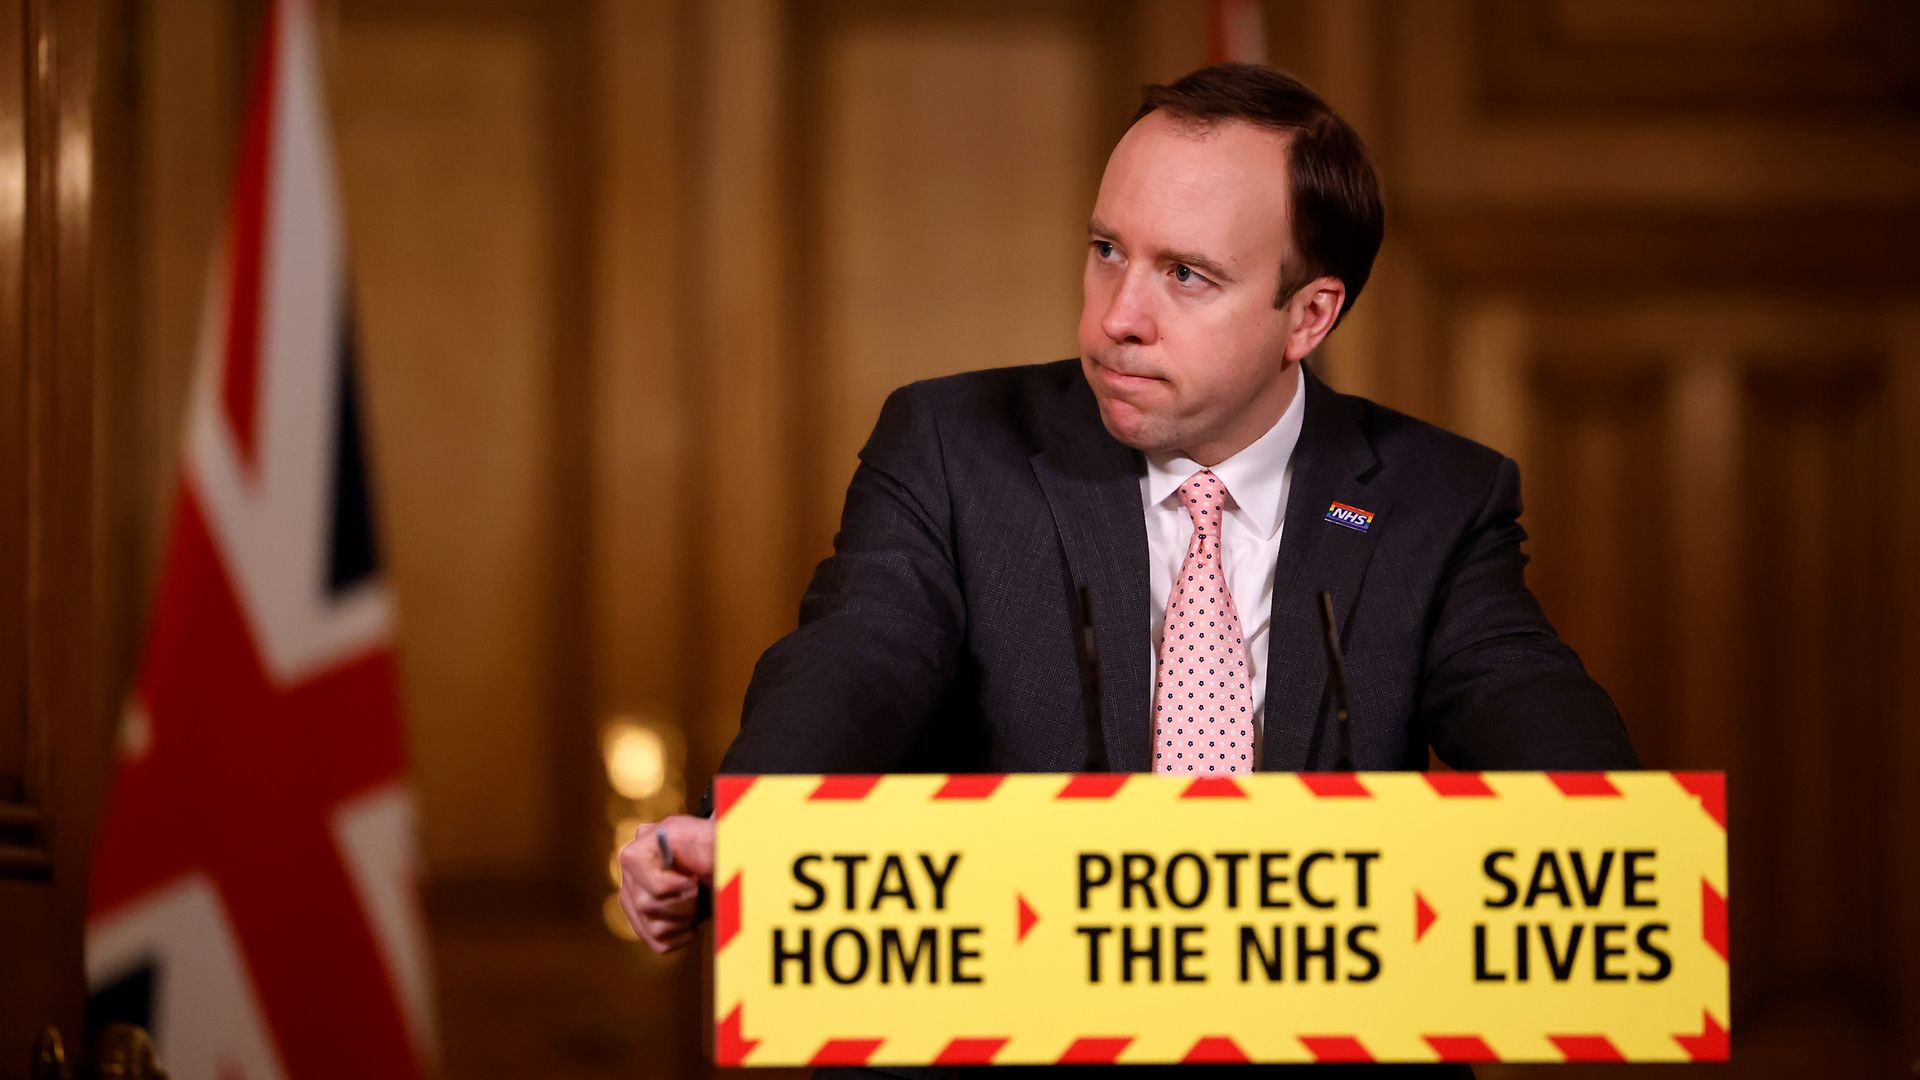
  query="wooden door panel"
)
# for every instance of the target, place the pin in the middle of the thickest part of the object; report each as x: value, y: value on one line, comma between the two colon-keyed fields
x: 1712, y: 494
x: 50, y: 714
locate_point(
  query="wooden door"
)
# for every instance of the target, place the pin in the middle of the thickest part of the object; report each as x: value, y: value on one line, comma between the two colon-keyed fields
x: 50, y: 715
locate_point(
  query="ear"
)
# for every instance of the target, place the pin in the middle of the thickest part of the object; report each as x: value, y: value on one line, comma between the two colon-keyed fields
x: 1311, y: 312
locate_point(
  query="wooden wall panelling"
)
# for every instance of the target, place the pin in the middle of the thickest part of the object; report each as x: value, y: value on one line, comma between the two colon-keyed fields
x: 1517, y: 150
x: 1813, y: 791
x: 653, y: 507
x: 51, y: 750
x: 1702, y: 498
x: 14, y: 428
x: 817, y: 186
x: 1902, y: 509
x: 1597, y: 483
x: 467, y: 170
x: 738, y: 594
x: 1704, y: 477
x: 645, y: 270
x: 188, y: 75
x: 1703, y: 194
x: 949, y: 159
x: 1832, y: 58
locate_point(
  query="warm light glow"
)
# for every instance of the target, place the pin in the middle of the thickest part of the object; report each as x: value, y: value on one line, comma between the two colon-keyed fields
x: 636, y: 759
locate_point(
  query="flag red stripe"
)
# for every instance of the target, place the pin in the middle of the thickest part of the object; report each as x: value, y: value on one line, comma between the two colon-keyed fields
x: 240, y: 369
x: 239, y: 785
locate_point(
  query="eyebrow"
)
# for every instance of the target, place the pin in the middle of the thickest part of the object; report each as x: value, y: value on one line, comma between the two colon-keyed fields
x: 1100, y: 230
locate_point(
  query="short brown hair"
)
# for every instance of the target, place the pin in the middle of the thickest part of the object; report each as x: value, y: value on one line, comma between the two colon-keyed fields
x: 1333, y: 192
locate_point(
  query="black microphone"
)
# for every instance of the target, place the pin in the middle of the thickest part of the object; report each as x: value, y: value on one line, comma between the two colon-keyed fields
x: 1089, y: 680
x: 1337, y: 670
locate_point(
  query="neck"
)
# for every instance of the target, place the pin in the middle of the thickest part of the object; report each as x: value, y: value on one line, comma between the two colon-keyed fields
x: 1256, y: 422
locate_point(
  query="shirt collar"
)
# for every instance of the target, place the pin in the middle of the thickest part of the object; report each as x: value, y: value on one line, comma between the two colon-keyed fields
x: 1256, y: 478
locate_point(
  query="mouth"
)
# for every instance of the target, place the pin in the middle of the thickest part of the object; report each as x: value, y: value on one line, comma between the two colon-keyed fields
x: 1123, y: 380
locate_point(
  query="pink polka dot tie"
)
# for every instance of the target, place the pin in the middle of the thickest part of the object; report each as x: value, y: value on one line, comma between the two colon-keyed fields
x: 1202, y: 715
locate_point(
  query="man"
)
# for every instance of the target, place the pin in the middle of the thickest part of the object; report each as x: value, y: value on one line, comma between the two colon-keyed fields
x: 1235, y: 225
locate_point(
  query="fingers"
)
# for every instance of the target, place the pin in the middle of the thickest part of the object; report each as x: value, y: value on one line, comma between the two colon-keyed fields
x: 659, y: 903
x: 640, y: 863
x: 660, y: 935
x: 672, y: 906
x: 692, y: 841
x: 672, y: 941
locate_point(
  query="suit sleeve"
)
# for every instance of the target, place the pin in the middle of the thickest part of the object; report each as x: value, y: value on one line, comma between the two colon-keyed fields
x: 881, y: 624
x: 1501, y: 690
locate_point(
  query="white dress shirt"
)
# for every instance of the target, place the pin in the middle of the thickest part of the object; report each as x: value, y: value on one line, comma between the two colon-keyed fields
x: 1257, y: 480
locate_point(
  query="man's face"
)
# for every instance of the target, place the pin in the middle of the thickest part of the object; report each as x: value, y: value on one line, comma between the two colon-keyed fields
x: 1179, y: 337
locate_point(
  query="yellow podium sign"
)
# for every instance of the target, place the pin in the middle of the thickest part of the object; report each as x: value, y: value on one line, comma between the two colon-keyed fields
x: 1117, y: 918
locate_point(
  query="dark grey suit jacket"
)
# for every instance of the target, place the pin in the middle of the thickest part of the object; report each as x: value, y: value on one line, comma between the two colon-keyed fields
x: 939, y: 636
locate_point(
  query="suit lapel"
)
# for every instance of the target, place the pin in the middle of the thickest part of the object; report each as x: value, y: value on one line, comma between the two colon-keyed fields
x: 1332, y: 463
x: 1092, y: 485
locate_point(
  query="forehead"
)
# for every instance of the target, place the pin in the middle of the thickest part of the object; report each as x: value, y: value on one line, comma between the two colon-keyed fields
x: 1220, y: 189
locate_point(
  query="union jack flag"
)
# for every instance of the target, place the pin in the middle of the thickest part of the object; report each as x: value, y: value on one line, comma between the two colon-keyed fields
x: 252, y: 896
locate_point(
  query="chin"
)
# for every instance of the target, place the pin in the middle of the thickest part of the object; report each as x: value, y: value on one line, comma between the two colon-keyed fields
x: 1130, y: 427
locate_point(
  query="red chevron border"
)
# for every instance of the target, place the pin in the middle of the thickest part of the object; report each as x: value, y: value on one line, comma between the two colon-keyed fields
x: 1584, y: 784
x: 1460, y: 785
x: 970, y: 786
x: 727, y: 791
x: 1712, y: 1043
x: 726, y: 912
x: 974, y: 1051
x: 1335, y: 785
x: 1213, y: 787
x: 1215, y: 1050
x: 1093, y: 786
x: 729, y: 1046
x: 1461, y: 1048
x: 851, y: 787
x: 845, y: 1051
x: 1586, y: 1047
x: 1095, y: 1050
x: 1328, y: 1049
x: 1711, y: 789
x: 1713, y: 917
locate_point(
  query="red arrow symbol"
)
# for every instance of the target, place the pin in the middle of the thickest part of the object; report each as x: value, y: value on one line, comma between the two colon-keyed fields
x: 1027, y: 917
x: 1423, y: 916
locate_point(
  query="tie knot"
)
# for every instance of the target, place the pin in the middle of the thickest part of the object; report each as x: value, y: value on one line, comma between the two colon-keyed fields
x: 1205, y: 496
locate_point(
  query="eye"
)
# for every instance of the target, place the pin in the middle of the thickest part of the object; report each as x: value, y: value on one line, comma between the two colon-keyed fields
x: 1187, y: 275
x: 1103, y: 248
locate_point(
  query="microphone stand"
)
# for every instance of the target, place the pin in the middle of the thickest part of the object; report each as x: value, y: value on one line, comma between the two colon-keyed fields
x: 1089, y: 680
x: 1337, y: 671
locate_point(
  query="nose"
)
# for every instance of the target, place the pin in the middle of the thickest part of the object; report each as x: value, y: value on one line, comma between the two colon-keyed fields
x: 1127, y: 320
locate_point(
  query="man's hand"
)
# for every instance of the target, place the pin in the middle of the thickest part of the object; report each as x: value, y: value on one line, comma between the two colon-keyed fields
x: 659, y: 901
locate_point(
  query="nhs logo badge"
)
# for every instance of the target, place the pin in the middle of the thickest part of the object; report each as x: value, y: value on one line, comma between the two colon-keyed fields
x: 1350, y: 516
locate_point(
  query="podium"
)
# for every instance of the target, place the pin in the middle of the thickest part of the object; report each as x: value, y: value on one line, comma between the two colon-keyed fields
x: 1106, y: 918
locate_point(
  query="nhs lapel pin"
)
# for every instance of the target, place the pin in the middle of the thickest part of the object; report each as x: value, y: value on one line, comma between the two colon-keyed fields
x: 1351, y: 517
